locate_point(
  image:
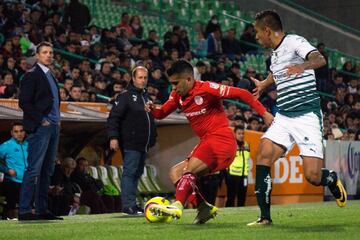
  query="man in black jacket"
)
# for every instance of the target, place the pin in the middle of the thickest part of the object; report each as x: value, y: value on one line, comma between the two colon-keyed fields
x: 40, y: 101
x: 135, y: 128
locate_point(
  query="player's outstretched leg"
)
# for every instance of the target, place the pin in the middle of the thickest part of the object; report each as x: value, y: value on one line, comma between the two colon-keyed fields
x: 184, y: 189
x: 329, y: 178
x: 263, y: 186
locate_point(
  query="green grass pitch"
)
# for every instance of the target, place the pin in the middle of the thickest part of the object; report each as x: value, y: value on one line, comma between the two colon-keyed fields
x: 298, y: 221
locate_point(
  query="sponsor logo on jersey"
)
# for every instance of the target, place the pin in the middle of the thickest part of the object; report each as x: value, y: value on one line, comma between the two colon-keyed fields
x: 223, y: 89
x: 214, y: 85
x: 199, y: 100
x: 197, y: 113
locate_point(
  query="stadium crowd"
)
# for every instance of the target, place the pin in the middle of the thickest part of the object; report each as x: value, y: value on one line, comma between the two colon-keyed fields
x: 108, y: 55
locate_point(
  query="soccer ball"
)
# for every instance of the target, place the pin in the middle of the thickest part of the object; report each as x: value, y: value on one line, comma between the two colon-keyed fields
x: 153, y: 218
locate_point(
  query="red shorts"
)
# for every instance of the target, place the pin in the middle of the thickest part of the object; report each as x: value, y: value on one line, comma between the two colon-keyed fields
x: 217, y: 150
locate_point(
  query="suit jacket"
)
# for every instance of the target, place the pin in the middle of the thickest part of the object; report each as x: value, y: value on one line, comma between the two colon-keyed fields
x: 35, y: 98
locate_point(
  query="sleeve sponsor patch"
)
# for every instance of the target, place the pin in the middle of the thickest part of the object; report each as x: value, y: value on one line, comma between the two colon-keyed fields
x: 214, y: 85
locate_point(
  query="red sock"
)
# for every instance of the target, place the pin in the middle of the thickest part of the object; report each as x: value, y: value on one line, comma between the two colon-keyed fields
x: 195, y: 198
x: 185, y: 187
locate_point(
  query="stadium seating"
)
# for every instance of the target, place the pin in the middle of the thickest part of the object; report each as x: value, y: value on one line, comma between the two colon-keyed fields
x: 114, y: 177
x: 155, y: 14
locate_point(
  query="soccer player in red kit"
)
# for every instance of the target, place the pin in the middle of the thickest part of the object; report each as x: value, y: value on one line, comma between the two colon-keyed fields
x: 201, y: 102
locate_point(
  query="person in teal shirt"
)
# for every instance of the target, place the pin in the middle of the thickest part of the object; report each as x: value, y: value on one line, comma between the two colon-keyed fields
x: 13, y: 162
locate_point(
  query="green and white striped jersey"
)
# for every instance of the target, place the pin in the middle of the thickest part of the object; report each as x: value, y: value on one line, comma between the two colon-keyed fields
x: 297, y: 95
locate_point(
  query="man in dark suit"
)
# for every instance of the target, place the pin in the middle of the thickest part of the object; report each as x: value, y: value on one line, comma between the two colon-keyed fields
x: 40, y: 101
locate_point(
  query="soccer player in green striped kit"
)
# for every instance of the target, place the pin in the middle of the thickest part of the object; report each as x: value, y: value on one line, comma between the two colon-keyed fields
x: 299, y: 117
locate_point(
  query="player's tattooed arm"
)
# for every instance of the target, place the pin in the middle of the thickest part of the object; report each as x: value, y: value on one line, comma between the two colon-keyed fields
x: 314, y: 61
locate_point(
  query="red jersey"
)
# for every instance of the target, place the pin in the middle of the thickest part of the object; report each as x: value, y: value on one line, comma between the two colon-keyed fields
x: 203, y: 106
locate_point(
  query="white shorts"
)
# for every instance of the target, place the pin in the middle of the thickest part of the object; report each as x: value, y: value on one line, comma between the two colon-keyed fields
x: 305, y: 131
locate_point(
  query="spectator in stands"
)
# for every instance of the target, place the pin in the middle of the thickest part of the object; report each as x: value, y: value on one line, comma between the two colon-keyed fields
x: 200, y: 45
x: 68, y: 83
x: 155, y: 54
x: 212, y: 25
x: 77, y: 15
x: 75, y: 75
x: 231, y: 46
x: 254, y: 124
x: 235, y: 74
x: 135, y: 129
x: 239, y: 121
x: 101, y: 86
x: 64, y: 94
x: 22, y: 67
x: 220, y: 71
x: 347, y: 71
x: 123, y: 42
x: 199, y: 70
x: 353, y: 85
x: 10, y: 92
x: 157, y: 80
x: 237, y: 173
x: 246, y: 82
x: 124, y: 23
x: 75, y: 94
x: 105, y: 72
x: 248, y: 40
x: 10, y: 67
x: 90, y: 187
x: 14, y: 152
x: 136, y: 27
x: 64, y: 193
x: 152, y: 38
x: 185, y: 39
x: 39, y: 99
x: 215, y: 49
x: 48, y: 33
x: 174, y: 43
x: 117, y: 88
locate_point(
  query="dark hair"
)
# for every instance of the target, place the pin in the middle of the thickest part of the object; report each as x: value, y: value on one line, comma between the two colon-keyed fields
x: 17, y: 123
x: 270, y: 19
x: 239, y: 127
x: 10, y: 90
x: 80, y: 159
x: 180, y: 67
x: 43, y: 44
x: 200, y: 64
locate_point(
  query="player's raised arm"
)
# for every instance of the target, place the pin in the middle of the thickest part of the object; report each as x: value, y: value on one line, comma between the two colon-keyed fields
x: 162, y: 111
x: 224, y: 91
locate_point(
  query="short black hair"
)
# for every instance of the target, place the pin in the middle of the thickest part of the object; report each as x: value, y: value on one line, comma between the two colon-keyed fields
x: 16, y: 123
x: 80, y: 159
x: 200, y: 64
x: 270, y: 19
x: 239, y: 127
x: 43, y: 44
x: 180, y: 67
